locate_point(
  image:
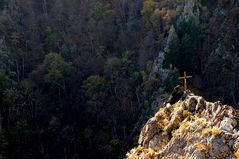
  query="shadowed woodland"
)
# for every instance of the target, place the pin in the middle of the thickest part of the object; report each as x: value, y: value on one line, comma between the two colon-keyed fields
x: 76, y: 76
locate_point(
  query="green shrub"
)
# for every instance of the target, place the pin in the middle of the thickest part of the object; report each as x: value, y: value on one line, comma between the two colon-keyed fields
x: 99, y: 10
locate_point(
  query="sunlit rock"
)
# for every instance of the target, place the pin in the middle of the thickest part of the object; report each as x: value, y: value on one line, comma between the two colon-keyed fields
x: 191, y: 128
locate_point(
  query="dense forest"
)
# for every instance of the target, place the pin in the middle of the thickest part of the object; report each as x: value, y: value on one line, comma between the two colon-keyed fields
x: 78, y: 78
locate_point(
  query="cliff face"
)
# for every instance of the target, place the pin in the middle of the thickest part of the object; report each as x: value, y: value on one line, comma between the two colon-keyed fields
x: 191, y: 128
x: 211, y: 56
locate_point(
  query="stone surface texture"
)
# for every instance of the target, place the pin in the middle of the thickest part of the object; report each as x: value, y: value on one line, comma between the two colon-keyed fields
x: 192, y: 128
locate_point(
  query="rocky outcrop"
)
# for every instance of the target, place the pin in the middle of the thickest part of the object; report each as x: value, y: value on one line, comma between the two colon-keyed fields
x: 192, y: 128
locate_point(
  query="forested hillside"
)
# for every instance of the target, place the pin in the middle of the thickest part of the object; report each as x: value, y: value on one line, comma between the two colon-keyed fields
x: 78, y: 78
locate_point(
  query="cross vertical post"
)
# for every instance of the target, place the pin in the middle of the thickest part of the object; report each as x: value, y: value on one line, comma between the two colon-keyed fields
x: 185, y: 77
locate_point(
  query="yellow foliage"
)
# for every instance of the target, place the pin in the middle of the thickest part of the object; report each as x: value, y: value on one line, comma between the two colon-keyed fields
x: 192, y: 117
x: 174, y: 133
x: 189, y: 137
x: 206, y: 131
x: 162, y: 123
x: 237, y: 153
x: 216, y: 131
x: 199, y: 122
x: 165, y: 122
x: 183, y: 127
x: 186, y: 113
x: 141, y: 152
x: 140, y: 148
x: 163, y: 113
x: 151, y: 152
x: 201, y: 147
x: 165, y: 133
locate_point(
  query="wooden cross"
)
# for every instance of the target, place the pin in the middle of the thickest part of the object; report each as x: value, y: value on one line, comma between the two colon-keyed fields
x: 185, y: 77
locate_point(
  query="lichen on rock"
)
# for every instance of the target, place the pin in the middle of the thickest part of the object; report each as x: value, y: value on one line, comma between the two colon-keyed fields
x: 192, y: 128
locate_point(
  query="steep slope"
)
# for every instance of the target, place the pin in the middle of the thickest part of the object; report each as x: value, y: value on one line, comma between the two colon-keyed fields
x: 191, y: 128
x: 201, y: 37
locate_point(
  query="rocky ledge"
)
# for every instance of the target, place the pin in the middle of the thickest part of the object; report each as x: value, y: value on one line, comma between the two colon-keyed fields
x: 192, y: 128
